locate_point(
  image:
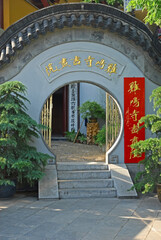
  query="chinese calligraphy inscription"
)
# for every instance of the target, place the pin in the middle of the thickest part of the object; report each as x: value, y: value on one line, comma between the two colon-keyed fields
x: 73, y: 102
x: 134, y: 109
x: 64, y: 62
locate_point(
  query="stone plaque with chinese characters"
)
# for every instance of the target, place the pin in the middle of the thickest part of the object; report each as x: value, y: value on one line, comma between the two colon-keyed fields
x: 81, y: 61
x: 134, y: 109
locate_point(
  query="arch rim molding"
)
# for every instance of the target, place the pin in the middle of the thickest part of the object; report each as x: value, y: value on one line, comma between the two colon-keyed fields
x: 69, y: 16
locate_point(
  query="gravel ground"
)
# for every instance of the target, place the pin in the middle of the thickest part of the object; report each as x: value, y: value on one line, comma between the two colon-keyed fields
x: 69, y: 151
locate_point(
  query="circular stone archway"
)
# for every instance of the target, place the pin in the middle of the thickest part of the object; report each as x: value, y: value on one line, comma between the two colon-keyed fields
x: 42, y: 78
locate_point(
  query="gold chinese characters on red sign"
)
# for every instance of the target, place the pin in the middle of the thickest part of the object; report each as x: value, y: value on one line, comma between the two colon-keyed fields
x: 134, y: 109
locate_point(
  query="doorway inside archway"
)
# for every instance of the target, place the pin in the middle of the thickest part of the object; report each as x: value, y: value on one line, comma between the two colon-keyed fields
x: 59, y: 113
x: 69, y: 134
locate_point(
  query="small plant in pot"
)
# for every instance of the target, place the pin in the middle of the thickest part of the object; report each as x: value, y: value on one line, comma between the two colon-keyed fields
x: 150, y: 178
x: 19, y: 161
x: 92, y: 111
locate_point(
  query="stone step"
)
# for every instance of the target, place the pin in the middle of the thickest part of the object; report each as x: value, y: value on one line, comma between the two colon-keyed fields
x: 86, y: 183
x: 70, y: 166
x: 88, y: 193
x: 94, y: 174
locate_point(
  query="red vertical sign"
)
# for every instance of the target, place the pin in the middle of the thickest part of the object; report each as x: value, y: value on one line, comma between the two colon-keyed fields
x: 134, y: 109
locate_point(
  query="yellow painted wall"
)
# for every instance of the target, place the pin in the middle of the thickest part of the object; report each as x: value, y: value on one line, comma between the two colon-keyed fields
x: 16, y: 9
x: 13, y: 10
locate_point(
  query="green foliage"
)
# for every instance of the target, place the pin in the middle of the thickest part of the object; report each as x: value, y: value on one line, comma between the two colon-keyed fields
x: 109, y: 2
x: 153, y: 10
x: 70, y: 135
x: 7, y: 182
x: 156, y: 98
x: 92, y: 110
x: 82, y: 138
x: 146, y: 180
x: 18, y: 159
x: 100, y: 138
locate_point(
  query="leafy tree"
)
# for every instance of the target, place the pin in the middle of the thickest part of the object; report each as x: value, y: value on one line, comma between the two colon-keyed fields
x: 153, y: 10
x: 147, y: 179
x: 18, y: 159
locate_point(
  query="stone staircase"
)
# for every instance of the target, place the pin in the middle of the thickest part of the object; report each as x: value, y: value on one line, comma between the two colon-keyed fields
x: 85, y: 180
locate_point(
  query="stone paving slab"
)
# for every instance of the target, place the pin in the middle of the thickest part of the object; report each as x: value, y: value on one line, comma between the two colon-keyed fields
x: 25, y: 218
x: 122, y: 181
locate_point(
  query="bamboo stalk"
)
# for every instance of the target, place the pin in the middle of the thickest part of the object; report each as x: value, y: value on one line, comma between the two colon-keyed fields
x: 47, y: 121
x: 110, y: 122
x: 50, y: 121
x: 42, y: 120
x: 115, y: 121
x: 113, y: 139
x: 107, y: 121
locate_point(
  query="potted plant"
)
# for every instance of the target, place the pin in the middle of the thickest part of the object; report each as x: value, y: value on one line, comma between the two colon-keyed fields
x: 19, y: 161
x: 150, y: 177
x: 92, y: 111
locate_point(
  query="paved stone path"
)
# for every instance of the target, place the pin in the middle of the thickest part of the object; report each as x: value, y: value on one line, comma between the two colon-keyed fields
x: 69, y: 151
x: 26, y: 218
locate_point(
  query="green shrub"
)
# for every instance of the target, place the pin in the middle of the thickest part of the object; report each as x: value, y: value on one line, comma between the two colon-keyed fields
x: 70, y: 135
x: 100, y: 138
x: 18, y: 159
x: 82, y: 138
x: 147, y: 179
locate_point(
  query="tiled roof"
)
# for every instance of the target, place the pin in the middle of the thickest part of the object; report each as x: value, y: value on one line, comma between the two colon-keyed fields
x: 18, y: 35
